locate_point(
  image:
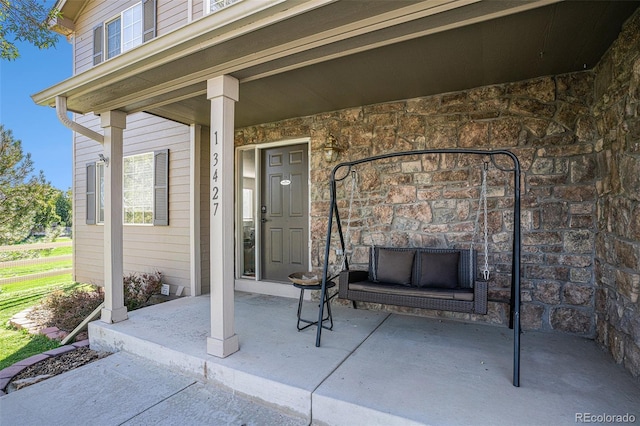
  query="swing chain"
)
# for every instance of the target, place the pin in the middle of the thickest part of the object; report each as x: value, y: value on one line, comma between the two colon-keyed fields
x: 482, y: 206
x: 483, y: 196
x: 348, y: 233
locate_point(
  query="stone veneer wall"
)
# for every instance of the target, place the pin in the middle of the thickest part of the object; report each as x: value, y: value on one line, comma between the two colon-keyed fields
x: 617, y: 271
x: 431, y: 201
x: 578, y: 139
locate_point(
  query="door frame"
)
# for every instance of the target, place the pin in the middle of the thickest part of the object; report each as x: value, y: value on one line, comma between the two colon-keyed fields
x: 256, y: 285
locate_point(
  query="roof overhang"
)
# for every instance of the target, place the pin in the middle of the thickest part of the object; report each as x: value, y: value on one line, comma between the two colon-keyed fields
x: 295, y: 58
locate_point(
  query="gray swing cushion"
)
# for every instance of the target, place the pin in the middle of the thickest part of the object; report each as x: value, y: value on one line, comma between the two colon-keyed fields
x: 467, y: 295
x: 394, y: 267
x: 439, y: 270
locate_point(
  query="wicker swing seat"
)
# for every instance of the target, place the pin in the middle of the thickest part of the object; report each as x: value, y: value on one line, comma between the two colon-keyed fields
x: 427, y: 278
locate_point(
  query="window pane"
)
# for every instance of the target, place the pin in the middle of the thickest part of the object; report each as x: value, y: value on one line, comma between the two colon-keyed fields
x: 113, y: 38
x: 132, y: 27
x: 247, y: 175
x: 100, y: 190
x: 215, y: 5
x: 138, y: 189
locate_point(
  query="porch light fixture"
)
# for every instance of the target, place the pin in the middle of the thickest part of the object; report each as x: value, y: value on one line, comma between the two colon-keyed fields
x: 104, y: 159
x: 331, y: 149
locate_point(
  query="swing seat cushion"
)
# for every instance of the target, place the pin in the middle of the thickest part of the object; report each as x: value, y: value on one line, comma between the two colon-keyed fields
x: 439, y: 279
x: 394, y: 267
x: 436, y: 293
x: 439, y: 270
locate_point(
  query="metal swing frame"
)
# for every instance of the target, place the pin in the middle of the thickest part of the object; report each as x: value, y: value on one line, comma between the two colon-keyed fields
x: 514, y: 303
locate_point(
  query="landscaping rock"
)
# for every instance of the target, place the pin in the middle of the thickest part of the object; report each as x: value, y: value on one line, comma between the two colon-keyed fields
x: 74, y: 357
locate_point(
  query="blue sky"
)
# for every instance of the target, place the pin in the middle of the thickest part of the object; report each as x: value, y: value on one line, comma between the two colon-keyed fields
x: 42, y: 135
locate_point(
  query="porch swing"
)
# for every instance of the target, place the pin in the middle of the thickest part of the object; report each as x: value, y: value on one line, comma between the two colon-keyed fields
x: 427, y: 278
x: 424, y: 277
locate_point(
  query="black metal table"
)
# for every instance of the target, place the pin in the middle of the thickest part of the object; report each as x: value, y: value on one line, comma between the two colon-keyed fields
x: 326, y: 299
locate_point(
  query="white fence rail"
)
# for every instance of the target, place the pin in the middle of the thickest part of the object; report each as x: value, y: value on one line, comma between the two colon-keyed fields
x: 39, y: 246
x: 36, y: 261
x: 10, y: 270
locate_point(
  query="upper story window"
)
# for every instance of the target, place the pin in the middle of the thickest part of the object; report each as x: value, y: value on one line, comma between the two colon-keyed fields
x: 215, y: 5
x: 125, y: 31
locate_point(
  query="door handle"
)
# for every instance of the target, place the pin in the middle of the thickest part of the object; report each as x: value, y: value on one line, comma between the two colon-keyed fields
x: 264, y: 220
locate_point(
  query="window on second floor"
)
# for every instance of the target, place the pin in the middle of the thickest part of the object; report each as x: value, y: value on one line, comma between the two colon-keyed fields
x: 125, y: 31
x: 212, y: 6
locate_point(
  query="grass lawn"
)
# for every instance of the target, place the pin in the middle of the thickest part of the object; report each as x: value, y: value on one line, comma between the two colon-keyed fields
x: 16, y: 345
x: 58, y: 251
x: 35, y: 268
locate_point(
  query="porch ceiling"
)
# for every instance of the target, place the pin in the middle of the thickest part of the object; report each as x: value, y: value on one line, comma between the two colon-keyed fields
x: 325, y: 56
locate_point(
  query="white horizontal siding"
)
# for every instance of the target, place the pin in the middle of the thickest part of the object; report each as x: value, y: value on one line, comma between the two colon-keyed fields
x: 83, y: 53
x: 146, y: 248
x: 198, y: 9
x: 95, y: 13
x: 171, y: 14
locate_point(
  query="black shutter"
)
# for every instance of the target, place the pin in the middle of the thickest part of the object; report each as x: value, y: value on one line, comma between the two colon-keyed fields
x: 91, y: 193
x: 98, y: 44
x: 161, y: 188
x: 149, y: 20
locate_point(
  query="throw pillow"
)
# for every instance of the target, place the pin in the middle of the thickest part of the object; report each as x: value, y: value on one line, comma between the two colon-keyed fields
x: 394, y: 267
x: 439, y: 270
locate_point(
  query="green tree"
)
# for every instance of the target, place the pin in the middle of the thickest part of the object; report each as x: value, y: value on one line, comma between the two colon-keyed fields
x: 64, y: 207
x: 21, y: 193
x: 25, y: 20
x: 46, y: 212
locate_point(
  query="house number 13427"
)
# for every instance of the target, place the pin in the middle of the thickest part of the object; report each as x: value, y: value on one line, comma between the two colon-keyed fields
x: 214, y: 186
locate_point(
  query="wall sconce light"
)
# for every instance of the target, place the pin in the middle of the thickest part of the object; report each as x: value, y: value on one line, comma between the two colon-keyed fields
x: 331, y: 149
x: 104, y: 159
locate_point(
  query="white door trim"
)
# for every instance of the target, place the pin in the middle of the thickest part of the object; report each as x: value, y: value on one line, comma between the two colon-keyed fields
x: 256, y: 285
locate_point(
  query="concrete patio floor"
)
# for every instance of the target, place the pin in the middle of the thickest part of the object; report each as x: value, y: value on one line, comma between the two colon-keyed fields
x: 381, y: 368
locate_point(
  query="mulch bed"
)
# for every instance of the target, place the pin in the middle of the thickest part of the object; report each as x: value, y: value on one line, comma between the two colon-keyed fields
x: 62, y: 363
x: 53, y: 366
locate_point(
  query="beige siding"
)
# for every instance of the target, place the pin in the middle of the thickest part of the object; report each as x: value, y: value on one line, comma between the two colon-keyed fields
x: 171, y: 14
x: 146, y: 248
x: 198, y: 9
x: 88, y: 248
x: 95, y: 13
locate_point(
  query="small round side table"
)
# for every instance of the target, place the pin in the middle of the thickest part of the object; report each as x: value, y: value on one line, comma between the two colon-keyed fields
x: 313, y: 284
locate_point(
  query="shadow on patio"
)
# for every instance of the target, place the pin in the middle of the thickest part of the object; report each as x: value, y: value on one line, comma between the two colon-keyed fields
x: 381, y: 368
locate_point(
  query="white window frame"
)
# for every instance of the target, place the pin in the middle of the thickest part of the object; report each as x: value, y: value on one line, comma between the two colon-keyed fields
x: 157, y: 184
x: 126, y: 43
x: 213, y: 6
x: 139, y: 210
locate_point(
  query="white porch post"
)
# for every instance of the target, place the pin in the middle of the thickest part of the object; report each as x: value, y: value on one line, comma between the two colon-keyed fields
x: 114, y: 310
x: 223, y: 93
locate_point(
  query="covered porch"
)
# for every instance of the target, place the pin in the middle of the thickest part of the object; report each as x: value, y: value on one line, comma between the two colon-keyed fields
x: 379, y: 367
x: 229, y: 71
